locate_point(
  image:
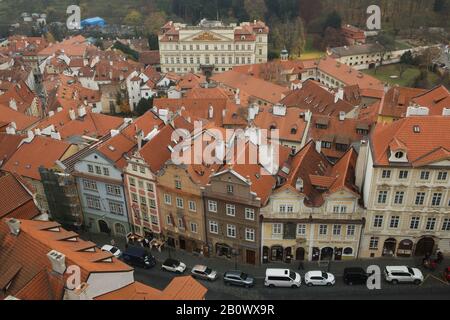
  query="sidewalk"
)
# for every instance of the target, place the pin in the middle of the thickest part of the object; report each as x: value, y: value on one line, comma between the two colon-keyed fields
x: 222, y: 264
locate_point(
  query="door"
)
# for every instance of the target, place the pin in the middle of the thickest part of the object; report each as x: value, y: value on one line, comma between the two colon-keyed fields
x: 251, y: 257
x: 182, y: 244
x: 326, y: 253
x: 300, y: 254
x: 338, y: 254
x: 389, y: 247
x: 103, y: 227
x: 424, y: 247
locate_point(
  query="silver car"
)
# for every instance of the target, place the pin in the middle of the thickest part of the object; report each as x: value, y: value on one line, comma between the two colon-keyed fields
x: 238, y: 278
x: 203, y: 272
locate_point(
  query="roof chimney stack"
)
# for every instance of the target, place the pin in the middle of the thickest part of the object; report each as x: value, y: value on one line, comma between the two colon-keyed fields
x: 58, y: 261
x: 14, y: 226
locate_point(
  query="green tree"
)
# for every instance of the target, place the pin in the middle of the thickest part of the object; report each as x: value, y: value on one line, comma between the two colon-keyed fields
x: 154, y: 22
x: 133, y: 18
x: 333, y: 20
x: 143, y: 106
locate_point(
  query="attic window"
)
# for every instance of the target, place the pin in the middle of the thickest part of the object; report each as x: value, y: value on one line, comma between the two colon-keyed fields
x: 294, y: 131
x: 416, y: 129
x: 399, y: 154
x: 111, y: 148
x: 242, y: 37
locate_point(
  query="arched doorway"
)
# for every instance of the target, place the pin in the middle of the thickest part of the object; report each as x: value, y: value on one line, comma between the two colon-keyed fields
x: 425, y: 246
x: 338, y: 254
x: 103, y: 226
x: 288, y: 254
x: 316, y: 254
x: 300, y: 254
x: 119, y: 229
x: 405, y: 248
x: 389, y: 247
x: 326, y: 253
x: 276, y: 253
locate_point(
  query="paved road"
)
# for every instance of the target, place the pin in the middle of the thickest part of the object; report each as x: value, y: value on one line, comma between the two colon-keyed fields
x: 433, y: 287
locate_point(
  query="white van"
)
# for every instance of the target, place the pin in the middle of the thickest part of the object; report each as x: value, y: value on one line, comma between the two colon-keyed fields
x: 282, y: 278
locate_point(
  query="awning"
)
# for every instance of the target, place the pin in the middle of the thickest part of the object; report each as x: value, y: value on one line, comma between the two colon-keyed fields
x: 343, y: 140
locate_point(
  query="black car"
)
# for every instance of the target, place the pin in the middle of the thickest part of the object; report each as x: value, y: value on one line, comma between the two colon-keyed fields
x: 355, y: 276
x: 138, y: 257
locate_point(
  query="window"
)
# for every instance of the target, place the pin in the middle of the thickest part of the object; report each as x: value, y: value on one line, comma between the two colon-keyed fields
x: 382, y: 197
x: 178, y: 184
x: 106, y: 172
x: 231, y: 231
x: 230, y: 189
x: 116, y: 208
x: 301, y: 229
x: 337, y: 230
x: 386, y: 174
x: 134, y: 197
x: 415, y: 221
x: 277, y: 229
x: 420, y: 198
x: 93, y: 202
x: 132, y: 181
x: 395, y: 221
x: 143, y: 201
x: 403, y: 174
x: 323, y: 229
x: 231, y: 210
x: 286, y: 208
x: 141, y: 184
x: 181, y: 223
x: 98, y: 170
x: 351, y: 229
x: 249, y: 214
x: 150, y: 187
x: 446, y: 225
x: 249, y: 234
x: 194, y: 227
x: 431, y: 224
x: 90, y: 168
x: 167, y: 199
x: 90, y: 185
x: 442, y: 176
x: 192, y: 206
x: 425, y: 175
x: 212, y: 206
x: 437, y: 199
x: 180, y: 203
x: 373, y: 245
x: 399, y: 196
x: 154, y: 220
x: 340, y: 209
x: 378, y: 222
x: 213, y: 227
x: 113, y: 190
x: 169, y: 220
x: 152, y: 203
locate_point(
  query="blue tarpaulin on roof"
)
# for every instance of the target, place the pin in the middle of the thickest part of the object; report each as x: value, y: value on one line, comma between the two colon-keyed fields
x: 92, y: 22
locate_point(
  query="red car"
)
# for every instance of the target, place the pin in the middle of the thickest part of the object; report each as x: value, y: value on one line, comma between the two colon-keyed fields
x: 447, y: 274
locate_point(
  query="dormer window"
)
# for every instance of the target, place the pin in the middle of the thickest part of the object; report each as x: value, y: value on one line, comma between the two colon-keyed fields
x: 294, y: 130
x: 242, y: 37
x: 399, y: 155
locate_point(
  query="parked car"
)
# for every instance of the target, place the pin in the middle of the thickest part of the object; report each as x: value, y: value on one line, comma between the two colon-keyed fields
x: 137, y: 256
x: 113, y: 250
x: 447, y: 274
x: 355, y: 276
x: 205, y: 273
x: 238, y: 278
x: 282, y: 278
x: 173, y: 265
x: 319, y: 278
x: 403, y: 274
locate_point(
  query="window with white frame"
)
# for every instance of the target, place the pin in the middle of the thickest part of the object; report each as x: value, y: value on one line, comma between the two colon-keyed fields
x: 106, y: 172
x: 212, y: 206
x: 337, y: 228
x: 386, y: 174
x: 231, y: 210
x: 446, y: 225
x: 116, y: 208
x: 214, y: 227
x: 180, y: 203
x: 378, y: 221
x: 152, y: 203
x: 374, y: 241
x: 113, y: 190
x: 231, y: 231
x: 395, y: 221
x: 415, y: 221
x: 351, y: 229
x: 431, y: 224
x: 403, y: 175
x: 169, y: 220
x: 301, y: 229
x: 194, y: 227
x: 437, y: 199
x: 323, y: 230
x: 93, y: 202
x: 142, y: 169
x: 90, y: 168
x: 382, y: 197
x: 340, y: 209
x: 168, y: 199
x: 178, y: 184
x: 399, y: 196
x: 277, y: 229
x: 181, y: 223
x: 249, y: 214
x: 250, y: 234
x: 425, y: 175
x: 150, y: 187
x: 132, y: 181
x: 230, y: 189
x: 192, y: 206
x: 420, y: 198
x: 134, y: 197
x: 442, y: 176
x: 98, y: 170
x: 90, y: 185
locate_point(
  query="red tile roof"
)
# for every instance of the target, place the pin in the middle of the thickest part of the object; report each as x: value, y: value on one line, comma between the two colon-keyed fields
x: 429, y: 145
x: 435, y: 100
x: 396, y: 101
x: 21, y: 120
x: 8, y: 145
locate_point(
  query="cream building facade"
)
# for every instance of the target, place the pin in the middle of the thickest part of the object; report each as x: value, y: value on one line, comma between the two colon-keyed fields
x: 211, y: 46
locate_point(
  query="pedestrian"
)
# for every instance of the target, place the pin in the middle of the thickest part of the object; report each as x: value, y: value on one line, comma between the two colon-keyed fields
x: 113, y: 243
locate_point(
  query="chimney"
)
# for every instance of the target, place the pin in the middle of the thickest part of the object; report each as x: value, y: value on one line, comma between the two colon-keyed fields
x: 51, y: 113
x: 211, y: 112
x: 59, y: 109
x: 81, y: 111
x: 341, y: 116
x: 237, y: 97
x: 72, y: 114
x: 58, y: 261
x: 319, y: 146
x: 11, y: 129
x: 339, y: 95
x: 13, y: 104
x: 14, y: 226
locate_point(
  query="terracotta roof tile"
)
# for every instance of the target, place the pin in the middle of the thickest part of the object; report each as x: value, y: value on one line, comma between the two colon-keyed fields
x: 17, y: 199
